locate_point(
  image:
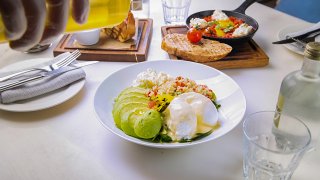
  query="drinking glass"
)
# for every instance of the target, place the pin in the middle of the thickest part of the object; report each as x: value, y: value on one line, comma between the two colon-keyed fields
x: 175, y: 11
x: 140, y: 8
x: 273, y: 150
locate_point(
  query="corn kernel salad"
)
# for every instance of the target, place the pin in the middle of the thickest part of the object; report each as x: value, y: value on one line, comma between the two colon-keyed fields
x: 162, y: 88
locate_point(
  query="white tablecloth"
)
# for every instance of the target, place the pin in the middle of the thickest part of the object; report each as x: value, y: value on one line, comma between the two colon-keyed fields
x: 67, y: 142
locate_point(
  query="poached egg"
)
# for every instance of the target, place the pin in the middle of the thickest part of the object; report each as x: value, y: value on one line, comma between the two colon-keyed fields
x: 188, y: 114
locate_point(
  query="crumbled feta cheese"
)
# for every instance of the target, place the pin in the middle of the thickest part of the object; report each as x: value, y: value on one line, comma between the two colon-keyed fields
x: 242, y: 30
x: 198, y: 22
x: 219, y: 15
x: 151, y: 78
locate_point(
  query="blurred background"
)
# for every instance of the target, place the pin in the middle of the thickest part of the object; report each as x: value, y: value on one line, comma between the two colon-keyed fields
x: 308, y: 10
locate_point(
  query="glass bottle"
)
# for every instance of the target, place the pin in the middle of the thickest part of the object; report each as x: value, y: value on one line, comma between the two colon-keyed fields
x: 102, y: 13
x: 300, y: 92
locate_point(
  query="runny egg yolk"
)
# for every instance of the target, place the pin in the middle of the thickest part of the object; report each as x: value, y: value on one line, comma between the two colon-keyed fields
x: 222, y: 24
x: 219, y: 32
x: 225, y: 23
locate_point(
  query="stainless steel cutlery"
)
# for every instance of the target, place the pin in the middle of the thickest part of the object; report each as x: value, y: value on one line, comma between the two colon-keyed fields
x: 45, y: 74
x: 300, y: 39
x: 61, y: 63
x: 303, y: 35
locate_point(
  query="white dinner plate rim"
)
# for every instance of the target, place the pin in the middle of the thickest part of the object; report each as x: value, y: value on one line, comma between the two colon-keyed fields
x: 165, y: 145
x: 47, y: 102
x: 290, y: 29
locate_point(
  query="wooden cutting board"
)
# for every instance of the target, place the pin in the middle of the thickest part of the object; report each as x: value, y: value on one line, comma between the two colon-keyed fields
x: 108, y: 49
x: 246, y: 55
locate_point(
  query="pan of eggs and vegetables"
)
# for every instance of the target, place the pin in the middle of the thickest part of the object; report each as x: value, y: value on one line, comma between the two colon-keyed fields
x: 230, y: 27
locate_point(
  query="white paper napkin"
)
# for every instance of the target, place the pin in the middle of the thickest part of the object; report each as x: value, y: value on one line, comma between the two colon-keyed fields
x: 41, y: 87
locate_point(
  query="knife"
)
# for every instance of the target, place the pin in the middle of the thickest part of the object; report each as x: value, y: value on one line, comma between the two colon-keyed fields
x: 300, y: 35
x: 45, y: 74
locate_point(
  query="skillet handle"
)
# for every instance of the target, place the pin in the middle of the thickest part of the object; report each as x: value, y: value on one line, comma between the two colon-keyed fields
x: 243, y: 7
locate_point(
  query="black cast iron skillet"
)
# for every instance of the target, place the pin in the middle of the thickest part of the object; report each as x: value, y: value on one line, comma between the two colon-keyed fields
x: 238, y: 13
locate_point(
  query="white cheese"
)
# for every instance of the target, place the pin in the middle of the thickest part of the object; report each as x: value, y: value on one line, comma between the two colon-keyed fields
x: 242, y: 30
x: 151, y: 78
x: 218, y: 15
x: 198, y: 22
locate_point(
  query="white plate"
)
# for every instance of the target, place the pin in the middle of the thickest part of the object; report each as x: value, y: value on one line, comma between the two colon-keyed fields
x: 228, y: 94
x: 290, y: 29
x: 45, y: 101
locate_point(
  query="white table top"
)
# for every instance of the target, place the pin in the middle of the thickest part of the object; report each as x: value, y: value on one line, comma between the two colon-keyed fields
x: 67, y: 142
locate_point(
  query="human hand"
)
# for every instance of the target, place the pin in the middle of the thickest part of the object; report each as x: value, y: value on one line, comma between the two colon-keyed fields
x: 30, y: 22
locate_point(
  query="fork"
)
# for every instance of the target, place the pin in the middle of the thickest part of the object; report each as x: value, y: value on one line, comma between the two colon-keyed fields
x: 61, y: 63
x: 303, y: 42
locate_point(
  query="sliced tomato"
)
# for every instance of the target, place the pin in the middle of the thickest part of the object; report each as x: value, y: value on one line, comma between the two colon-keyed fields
x: 208, y: 18
x: 236, y: 21
x: 151, y: 104
x: 210, y: 31
x: 228, y: 35
x: 232, y: 18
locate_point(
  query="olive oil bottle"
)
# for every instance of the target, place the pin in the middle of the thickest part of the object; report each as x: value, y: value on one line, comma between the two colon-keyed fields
x: 102, y: 13
x: 300, y: 92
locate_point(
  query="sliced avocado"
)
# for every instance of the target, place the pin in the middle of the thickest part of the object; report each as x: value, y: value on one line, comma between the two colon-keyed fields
x: 134, y: 95
x: 149, y: 124
x: 133, y: 89
x: 136, y: 115
x: 131, y: 94
x: 117, y: 108
x: 130, y: 100
x: 125, y: 113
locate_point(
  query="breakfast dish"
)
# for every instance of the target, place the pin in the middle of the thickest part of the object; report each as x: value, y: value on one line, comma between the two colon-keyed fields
x: 205, y: 51
x: 163, y: 108
x: 227, y: 92
x: 45, y: 101
x: 247, y: 55
x: 222, y: 26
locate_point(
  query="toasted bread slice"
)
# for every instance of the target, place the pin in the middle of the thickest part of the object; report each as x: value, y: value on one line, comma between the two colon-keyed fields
x: 123, y: 31
x: 205, y: 51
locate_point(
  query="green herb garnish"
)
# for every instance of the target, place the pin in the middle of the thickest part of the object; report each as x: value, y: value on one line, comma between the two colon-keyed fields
x: 229, y: 28
x: 160, y: 138
x: 211, y: 23
x: 216, y: 104
x: 197, y: 137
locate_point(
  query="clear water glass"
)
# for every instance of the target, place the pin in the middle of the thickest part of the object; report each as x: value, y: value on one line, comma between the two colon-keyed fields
x: 140, y: 8
x: 273, y: 150
x: 175, y: 12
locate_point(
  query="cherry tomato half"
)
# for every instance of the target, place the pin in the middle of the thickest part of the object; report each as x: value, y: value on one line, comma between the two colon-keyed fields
x: 194, y: 35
